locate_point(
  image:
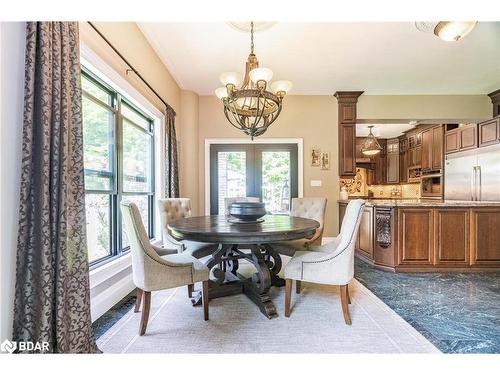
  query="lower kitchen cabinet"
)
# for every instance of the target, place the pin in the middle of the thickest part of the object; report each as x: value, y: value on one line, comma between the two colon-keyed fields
x: 451, y: 233
x: 485, y: 236
x: 429, y: 239
x: 364, y: 241
x: 365, y: 236
x: 416, y: 236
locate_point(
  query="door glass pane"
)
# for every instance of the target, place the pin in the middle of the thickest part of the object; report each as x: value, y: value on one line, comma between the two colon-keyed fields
x: 98, y: 225
x: 136, y: 159
x: 231, y: 170
x: 276, y: 181
x: 142, y: 203
x: 98, y: 145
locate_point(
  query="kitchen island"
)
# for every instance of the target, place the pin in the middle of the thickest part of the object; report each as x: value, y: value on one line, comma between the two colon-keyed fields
x: 419, y: 235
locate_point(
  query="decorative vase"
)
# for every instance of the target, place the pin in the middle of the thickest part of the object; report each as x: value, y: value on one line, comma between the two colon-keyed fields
x: 343, y: 194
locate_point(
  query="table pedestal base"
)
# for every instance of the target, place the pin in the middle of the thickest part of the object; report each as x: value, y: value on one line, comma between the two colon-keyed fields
x: 224, y: 263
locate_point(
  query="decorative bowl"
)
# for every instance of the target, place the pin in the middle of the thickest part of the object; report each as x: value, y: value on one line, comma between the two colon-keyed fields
x: 247, y: 211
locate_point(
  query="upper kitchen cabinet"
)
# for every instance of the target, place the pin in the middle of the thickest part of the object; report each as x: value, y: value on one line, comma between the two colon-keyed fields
x: 460, y: 137
x: 489, y: 132
x: 393, y: 161
x: 403, y: 159
x: 347, y: 101
x: 432, y: 148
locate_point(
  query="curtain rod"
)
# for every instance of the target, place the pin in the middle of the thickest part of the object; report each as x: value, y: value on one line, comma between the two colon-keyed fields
x: 167, y: 106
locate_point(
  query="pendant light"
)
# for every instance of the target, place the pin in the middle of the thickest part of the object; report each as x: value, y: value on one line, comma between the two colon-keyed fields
x: 371, y: 146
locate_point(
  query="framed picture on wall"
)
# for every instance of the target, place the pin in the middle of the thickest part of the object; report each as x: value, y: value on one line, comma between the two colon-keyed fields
x: 325, y: 160
x: 315, y: 157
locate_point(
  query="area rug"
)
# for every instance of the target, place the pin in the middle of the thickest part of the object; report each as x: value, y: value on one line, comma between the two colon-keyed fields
x: 236, y: 325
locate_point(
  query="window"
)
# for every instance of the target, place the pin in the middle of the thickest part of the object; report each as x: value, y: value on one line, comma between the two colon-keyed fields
x: 118, y: 149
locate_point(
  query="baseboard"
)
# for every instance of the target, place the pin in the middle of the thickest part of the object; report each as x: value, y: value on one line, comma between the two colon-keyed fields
x: 105, y: 300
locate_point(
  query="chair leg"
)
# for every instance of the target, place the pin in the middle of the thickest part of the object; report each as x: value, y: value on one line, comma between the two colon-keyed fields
x: 205, y: 299
x: 138, y: 299
x: 348, y: 295
x: 145, y: 313
x: 297, y: 286
x: 288, y: 296
x: 345, y: 305
x: 190, y: 290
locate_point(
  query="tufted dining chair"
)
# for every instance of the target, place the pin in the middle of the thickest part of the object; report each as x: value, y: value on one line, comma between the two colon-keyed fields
x: 172, y: 209
x: 229, y: 201
x: 309, y: 208
x: 152, y: 272
x: 331, y: 264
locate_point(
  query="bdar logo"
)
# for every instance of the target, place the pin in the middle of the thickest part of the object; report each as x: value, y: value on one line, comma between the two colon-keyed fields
x: 8, y: 346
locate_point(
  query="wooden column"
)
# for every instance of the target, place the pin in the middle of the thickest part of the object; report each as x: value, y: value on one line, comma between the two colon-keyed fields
x: 347, y: 101
x: 495, y: 100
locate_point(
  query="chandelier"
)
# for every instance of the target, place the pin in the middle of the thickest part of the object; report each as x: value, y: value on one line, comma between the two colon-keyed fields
x: 251, y: 107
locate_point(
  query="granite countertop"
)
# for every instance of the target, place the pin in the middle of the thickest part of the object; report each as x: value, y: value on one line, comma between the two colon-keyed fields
x: 425, y: 203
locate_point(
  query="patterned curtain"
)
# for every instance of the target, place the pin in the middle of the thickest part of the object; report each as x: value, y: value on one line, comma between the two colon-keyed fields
x: 171, y: 163
x: 52, y: 301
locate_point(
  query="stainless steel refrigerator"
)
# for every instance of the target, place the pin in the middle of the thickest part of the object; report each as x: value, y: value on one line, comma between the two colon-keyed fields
x: 473, y: 175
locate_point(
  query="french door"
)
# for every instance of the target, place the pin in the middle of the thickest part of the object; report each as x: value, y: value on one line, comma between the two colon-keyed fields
x: 267, y: 171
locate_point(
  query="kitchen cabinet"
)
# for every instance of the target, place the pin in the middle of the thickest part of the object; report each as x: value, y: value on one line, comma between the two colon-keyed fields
x: 408, y: 238
x: 392, y: 161
x: 461, y: 138
x: 451, y: 141
x: 427, y: 142
x: 364, y: 240
x: 489, y: 132
x: 468, y: 137
x: 347, y: 101
x: 392, y: 168
x: 403, y: 166
x: 432, y: 148
x: 416, y: 236
x: 437, y: 147
x: 378, y: 174
x: 451, y: 233
x: 365, y: 236
x: 485, y: 236
x: 415, y: 156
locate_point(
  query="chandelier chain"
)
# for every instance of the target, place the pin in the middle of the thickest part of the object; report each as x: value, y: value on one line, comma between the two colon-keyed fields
x: 251, y: 37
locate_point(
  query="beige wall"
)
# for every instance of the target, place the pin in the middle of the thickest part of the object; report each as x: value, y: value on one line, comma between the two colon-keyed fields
x: 129, y: 40
x: 187, y: 129
x: 424, y: 107
x: 314, y: 118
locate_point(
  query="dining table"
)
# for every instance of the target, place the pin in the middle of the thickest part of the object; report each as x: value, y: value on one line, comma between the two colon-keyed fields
x: 243, y: 242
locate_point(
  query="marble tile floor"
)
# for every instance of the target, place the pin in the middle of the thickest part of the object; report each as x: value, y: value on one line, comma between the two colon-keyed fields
x: 457, y: 312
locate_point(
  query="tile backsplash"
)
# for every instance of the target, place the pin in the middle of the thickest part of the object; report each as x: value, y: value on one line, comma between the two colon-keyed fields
x: 357, y: 187
x: 408, y: 191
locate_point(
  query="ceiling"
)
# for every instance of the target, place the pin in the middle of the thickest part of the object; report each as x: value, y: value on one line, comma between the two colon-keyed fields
x: 391, y: 58
x: 383, y: 130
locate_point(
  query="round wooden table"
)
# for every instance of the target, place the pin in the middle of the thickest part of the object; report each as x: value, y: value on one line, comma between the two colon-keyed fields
x: 232, y: 239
